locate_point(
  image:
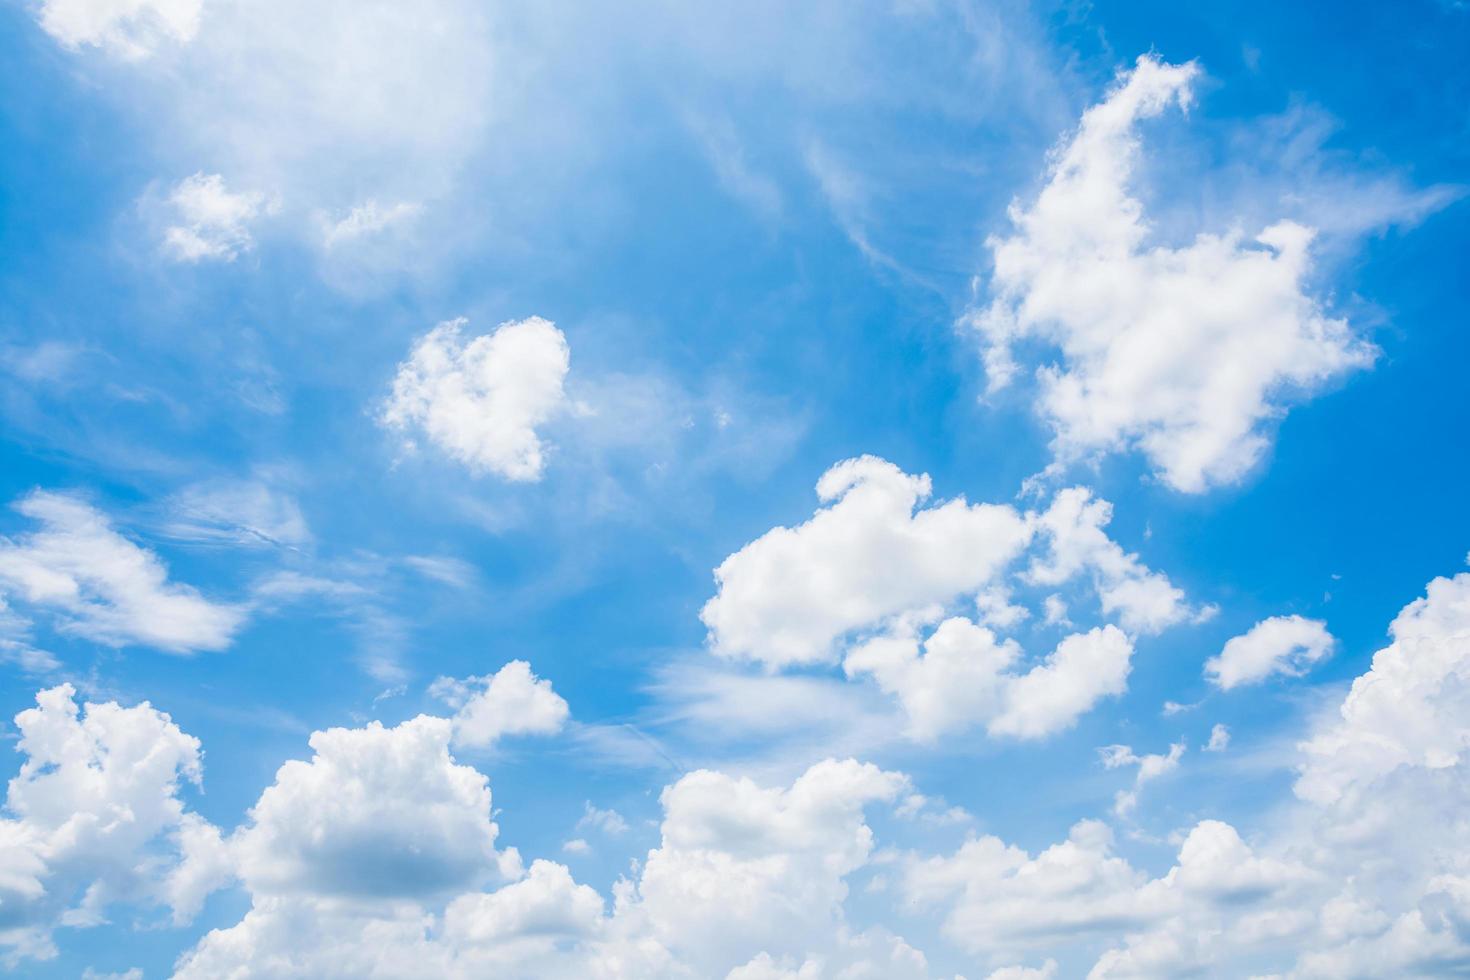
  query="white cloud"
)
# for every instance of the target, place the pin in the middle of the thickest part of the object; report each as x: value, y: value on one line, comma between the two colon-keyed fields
x: 996, y: 609
x: 743, y: 867
x: 1185, y: 354
x: 1219, y: 739
x: 513, y: 701
x: 1004, y: 903
x: 1286, y: 645
x: 872, y: 570
x: 133, y: 974
x: 1150, y: 767
x: 27, y: 658
x: 1072, y: 527
x: 103, y: 586
x: 213, y: 222
x: 480, y: 401
x: 607, y: 821
x: 92, y: 819
x: 1409, y: 709
x: 372, y: 857
x: 1046, y: 971
x: 1083, y: 668
x: 379, y: 813
x: 576, y: 846
x: 131, y: 28
x: 365, y: 219
x: 788, y: 596
x: 965, y: 676
x: 249, y: 513
x: 1363, y: 876
x: 368, y: 860
x: 741, y: 871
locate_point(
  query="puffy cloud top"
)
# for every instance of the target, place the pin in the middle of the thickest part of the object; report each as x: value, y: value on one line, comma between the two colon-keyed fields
x: 377, y: 812
x: 1410, y: 709
x: 1280, y: 645
x: 481, y: 400
x: 1181, y: 353
x: 513, y: 701
x: 786, y: 597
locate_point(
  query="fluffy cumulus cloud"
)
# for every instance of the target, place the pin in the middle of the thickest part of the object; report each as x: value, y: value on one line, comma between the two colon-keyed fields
x: 874, y: 577
x: 1410, y: 709
x: 746, y: 878
x: 777, y: 859
x: 788, y: 596
x: 1287, y: 645
x: 132, y: 28
x: 481, y: 400
x: 379, y: 856
x: 1183, y: 353
x: 377, y: 812
x: 513, y: 701
x: 102, y: 586
x: 962, y: 675
x: 94, y: 819
x: 1364, y: 875
x: 210, y: 220
x: 1003, y: 903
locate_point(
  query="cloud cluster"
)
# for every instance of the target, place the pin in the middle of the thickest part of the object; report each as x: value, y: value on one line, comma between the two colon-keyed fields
x: 94, y: 818
x: 875, y: 578
x: 1186, y: 353
x: 380, y: 856
x: 481, y: 400
x: 1364, y: 876
x: 745, y: 878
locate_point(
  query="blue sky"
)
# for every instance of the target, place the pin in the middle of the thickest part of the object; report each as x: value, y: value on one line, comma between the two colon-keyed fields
x: 912, y: 490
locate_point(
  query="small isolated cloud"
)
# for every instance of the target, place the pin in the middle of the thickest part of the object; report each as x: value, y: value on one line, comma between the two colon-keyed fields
x: 100, y: 585
x: 1219, y: 739
x: 212, y: 222
x: 365, y: 219
x: 607, y: 821
x: 481, y: 400
x: 1184, y: 354
x: 577, y: 846
x: 513, y: 701
x: 1150, y: 767
x: 1287, y: 645
x: 131, y: 28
